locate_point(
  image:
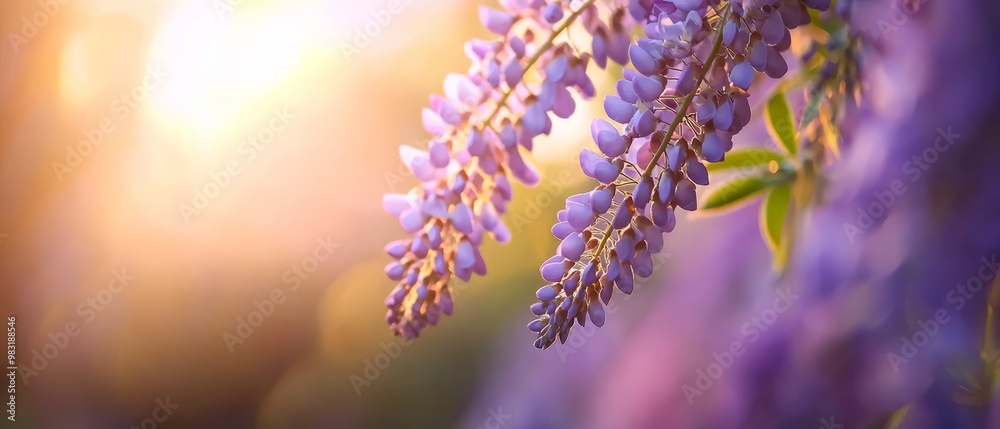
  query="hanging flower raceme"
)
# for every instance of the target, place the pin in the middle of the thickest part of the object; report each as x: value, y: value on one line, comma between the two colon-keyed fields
x: 678, y: 110
x: 481, y: 128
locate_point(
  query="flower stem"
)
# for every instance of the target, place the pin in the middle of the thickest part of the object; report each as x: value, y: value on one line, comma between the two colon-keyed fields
x: 681, y: 113
x: 682, y: 110
x: 538, y: 55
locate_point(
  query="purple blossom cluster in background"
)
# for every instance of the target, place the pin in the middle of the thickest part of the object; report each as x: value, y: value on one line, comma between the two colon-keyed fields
x: 680, y: 108
x: 482, y: 126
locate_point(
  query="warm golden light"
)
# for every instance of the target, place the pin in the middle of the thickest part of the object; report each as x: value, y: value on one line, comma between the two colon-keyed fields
x: 218, y: 65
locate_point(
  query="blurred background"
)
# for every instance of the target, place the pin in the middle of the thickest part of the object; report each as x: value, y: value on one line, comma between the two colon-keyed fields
x: 191, y: 231
x: 165, y: 97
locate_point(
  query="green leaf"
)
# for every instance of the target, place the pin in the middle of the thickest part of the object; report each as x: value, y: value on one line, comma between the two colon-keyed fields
x: 893, y: 420
x: 811, y: 110
x: 773, y: 213
x: 961, y: 373
x: 746, y: 158
x: 780, y: 123
x: 990, y: 353
x: 734, y: 192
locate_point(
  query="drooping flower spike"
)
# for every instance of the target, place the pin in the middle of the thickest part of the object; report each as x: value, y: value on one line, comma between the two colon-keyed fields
x: 480, y: 129
x: 678, y: 109
x: 489, y: 117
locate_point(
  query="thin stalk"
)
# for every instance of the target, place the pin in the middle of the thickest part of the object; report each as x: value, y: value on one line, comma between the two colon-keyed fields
x: 681, y: 113
x: 538, y: 55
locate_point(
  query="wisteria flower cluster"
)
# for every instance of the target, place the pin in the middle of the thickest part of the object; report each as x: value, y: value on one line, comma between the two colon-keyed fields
x: 481, y: 128
x: 678, y: 108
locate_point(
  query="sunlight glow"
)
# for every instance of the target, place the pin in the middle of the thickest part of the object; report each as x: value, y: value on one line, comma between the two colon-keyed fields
x: 76, y: 80
x: 217, y: 66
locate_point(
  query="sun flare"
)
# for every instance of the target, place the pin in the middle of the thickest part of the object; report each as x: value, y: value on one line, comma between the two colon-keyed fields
x: 217, y: 64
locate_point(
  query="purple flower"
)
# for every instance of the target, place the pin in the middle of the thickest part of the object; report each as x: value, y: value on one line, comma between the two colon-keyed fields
x: 496, y: 21
x: 678, y: 109
x: 675, y: 121
x: 479, y: 127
